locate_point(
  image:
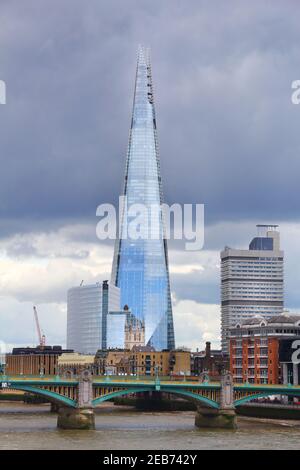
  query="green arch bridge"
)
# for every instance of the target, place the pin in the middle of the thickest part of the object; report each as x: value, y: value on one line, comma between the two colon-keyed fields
x: 77, y: 396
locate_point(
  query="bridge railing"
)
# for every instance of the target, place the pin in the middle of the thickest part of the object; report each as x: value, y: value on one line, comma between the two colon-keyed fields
x: 106, y: 378
x: 28, y: 377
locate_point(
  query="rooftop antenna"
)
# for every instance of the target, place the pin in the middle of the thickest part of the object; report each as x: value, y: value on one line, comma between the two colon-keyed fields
x: 262, y: 229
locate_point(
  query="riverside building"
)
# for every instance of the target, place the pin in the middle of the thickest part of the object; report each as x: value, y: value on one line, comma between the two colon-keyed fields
x: 261, y: 350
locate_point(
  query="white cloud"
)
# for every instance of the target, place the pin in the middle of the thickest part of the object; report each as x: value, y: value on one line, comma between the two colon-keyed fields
x: 196, y: 323
x: 39, y: 268
x: 18, y: 326
x: 42, y: 267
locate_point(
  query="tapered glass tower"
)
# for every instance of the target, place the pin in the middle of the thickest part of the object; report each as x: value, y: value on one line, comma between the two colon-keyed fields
x: 140, y: 266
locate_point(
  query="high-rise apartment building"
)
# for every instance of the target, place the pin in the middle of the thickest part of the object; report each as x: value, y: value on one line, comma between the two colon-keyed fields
x: 140, y: 266
x: 252, y: 280
x: 88, y: 307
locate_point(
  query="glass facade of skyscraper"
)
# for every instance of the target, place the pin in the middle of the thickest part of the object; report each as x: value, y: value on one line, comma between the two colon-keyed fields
x: 140, y: 266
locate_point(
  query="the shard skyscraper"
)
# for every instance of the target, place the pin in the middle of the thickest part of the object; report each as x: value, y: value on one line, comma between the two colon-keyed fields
x: 140, y: 266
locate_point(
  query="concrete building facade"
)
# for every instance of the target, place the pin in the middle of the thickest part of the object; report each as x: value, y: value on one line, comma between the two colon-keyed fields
x: 252, y: 281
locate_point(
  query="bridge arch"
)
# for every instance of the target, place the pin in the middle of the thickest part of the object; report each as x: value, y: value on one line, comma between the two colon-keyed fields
x: 186, y: 394
x: 248, y: 398
x: 53, y: 397
x: 120, y: 393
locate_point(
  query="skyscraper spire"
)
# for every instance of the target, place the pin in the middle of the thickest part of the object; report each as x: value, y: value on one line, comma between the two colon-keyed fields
x: 140, y: 266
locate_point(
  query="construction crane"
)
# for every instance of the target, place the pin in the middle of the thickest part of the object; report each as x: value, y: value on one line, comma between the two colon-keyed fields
x: 42, y: 337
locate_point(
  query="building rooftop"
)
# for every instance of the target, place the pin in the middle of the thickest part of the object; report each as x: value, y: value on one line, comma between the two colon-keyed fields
x: 40, y: 350
x: 283, y: 319
x: 75, y: 358
x: 137, y: 348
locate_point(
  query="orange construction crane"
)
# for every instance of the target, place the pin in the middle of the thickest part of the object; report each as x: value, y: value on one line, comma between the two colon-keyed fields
x: 42, y: 338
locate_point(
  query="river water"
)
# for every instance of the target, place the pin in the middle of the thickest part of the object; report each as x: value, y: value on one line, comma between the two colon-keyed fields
x: 119, y: 428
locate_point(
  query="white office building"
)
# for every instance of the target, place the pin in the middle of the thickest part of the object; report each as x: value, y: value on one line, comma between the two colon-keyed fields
x: 88, y: 306
x: 252, y: 281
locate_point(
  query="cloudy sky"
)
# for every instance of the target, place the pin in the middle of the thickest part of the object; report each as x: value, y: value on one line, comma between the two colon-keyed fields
x: 228, y: 132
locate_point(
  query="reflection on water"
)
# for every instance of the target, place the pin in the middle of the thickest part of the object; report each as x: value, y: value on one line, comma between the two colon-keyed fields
x: 34, y: 427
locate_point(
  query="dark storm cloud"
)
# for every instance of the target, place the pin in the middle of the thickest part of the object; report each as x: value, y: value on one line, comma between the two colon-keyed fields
x: 222, y: 73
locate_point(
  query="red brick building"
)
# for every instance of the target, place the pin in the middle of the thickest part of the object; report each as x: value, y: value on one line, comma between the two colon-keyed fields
x: 254, y: 348
x: 212, y: 361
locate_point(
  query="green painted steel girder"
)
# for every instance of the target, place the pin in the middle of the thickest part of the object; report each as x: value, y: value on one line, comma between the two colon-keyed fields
x: 52, y: 396
x: 175, y: 391
x: 33, y: 384
x: 120, y: 393
x: 270, y: 389
x: 247, y: 398
x: 195, y: 396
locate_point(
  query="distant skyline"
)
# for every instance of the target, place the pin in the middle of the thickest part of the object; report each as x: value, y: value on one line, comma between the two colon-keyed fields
x: 228, y: 136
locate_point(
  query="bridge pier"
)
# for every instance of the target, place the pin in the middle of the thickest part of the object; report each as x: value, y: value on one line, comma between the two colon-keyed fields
x: 223, y: 417
x: 75, y: 418
x: 83, y: 416
x: 213, y: 418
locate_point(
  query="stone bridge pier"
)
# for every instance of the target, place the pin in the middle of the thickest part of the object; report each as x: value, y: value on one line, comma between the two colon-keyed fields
x: 223, y: 417
x: 83, y: 416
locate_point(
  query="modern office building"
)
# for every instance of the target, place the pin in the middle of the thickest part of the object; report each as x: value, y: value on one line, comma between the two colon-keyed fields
x: 140, y: 266
x: 88, y: 307
x: 252, y: 280
x: 261, y: 350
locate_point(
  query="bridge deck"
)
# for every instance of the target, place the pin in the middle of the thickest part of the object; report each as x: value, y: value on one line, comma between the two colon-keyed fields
x: 129, y: 381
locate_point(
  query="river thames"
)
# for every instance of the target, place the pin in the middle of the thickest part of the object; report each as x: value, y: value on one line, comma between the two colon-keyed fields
x: 118, y: 428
